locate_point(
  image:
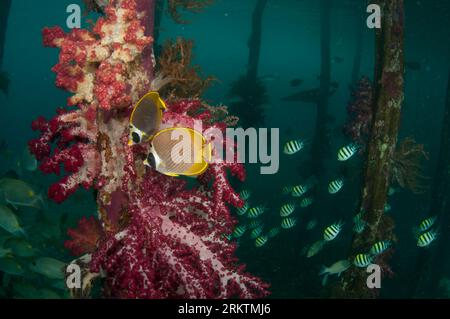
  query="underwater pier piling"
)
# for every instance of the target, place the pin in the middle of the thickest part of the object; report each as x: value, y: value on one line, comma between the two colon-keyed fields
x: 5, y: 6
x: 107, y: 130
x: 430, y: 265
x: 159, y: 13
x: 356, y: 66
x: 321, y: 145
x: 389, y: 96
x: 249, y: 88
x: 254, y: 43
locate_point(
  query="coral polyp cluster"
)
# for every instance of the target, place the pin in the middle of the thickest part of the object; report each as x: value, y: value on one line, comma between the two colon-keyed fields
x: 85, y: 237
x: 185, y: 241
x: 158, y: 238
x: 81, y: 159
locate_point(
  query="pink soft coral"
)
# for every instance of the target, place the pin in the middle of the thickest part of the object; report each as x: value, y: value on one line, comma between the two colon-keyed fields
x: 161, y: 239
x: 85, y: 237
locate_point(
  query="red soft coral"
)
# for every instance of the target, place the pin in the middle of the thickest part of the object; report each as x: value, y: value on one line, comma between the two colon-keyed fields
x: 84, y: 239
x: 161, y: 238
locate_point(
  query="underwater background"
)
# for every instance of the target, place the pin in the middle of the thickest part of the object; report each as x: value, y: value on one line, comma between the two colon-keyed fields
x: 289, y: 62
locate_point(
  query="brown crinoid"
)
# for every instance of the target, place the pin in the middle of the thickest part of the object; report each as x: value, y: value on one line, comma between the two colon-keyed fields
x: 175, y: 64
x: 407, y: 170
x: 186, y: 5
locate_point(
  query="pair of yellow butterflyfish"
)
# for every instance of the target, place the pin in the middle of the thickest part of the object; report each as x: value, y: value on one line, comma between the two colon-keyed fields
x: 174, y: 151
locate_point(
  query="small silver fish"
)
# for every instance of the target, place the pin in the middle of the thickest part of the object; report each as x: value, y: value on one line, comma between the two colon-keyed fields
x: 10, y: 266
x: 307, y: 201
x: 20, y: 247
x: 335, y: 269
x: 18, y: 193
x: 49, y: 267
x: 5, y: 252
x: 27, y: 162
x: 315, y: 248
x: 9, y: 221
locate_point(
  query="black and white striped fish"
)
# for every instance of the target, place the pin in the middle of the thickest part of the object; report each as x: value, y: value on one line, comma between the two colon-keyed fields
x: 306, y: 202
x: 293, y: 147
x: 347, y: 152
x: 380, y: 247
x: 359, y: 226
x: 427, y: 223
x: 242, y: 210
x: 332, y: 231
x: 245, y: 194
x: 299, y: 190
x: 256, y: 211
x: 239, y: 231
x: 254, y: 223
x: 427, y: 238
x: 261, y: 241
x: 287, y: 209
x: 358, y: 216
x: 256, y: 232
x: 287, y: 190
x: 362, y: 260
x: 273, y: 232
x: 335, y: 186
x: 288, y: 223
